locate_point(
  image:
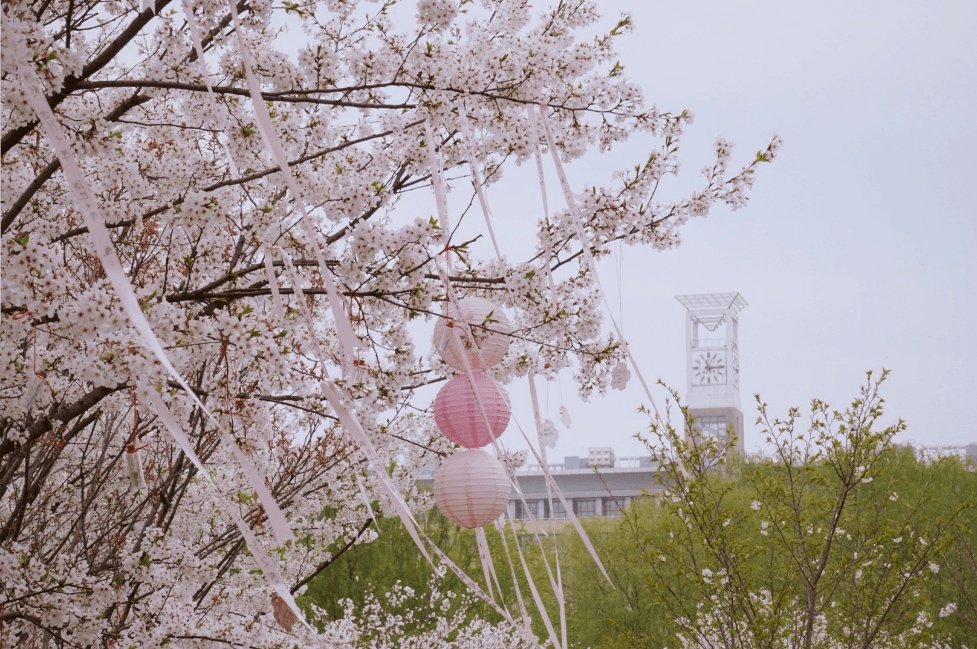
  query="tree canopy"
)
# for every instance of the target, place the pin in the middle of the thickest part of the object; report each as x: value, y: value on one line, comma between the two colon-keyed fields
x: 162, y: 126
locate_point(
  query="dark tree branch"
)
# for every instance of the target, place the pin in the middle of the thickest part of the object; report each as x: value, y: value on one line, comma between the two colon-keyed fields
x: 13, y: 137
x: 325, y: 564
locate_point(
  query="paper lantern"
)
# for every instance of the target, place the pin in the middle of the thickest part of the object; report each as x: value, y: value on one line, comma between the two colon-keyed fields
x: 490, y: 327
x: 471, y: 488
x: 457, y: 414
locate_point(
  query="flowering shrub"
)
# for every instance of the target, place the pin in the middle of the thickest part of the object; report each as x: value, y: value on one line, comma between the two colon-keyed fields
x: 798, y: 550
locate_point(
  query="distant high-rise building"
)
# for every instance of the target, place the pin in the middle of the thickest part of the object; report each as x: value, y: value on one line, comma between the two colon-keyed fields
x: 713, y: 364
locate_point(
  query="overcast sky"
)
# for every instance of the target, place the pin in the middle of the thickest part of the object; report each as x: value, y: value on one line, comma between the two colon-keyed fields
x: 857, y: 250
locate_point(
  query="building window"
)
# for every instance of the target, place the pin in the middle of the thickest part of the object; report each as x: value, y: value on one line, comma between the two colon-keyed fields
x: 614, y: 507
x: 558, y: 510
x: 584, y: 507
x: 712, y: 427
x: 534, y: 508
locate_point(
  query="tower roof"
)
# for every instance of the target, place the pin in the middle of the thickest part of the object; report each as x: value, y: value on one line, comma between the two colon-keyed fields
x: 732, y: 301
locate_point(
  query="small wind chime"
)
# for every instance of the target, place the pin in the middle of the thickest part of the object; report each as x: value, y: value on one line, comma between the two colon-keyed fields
x: 471, y: 487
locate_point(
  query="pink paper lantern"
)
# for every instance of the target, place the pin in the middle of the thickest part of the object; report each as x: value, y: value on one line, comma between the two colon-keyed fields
x: 471, y: 488
x: 490, y: 326
x: 457, y: 414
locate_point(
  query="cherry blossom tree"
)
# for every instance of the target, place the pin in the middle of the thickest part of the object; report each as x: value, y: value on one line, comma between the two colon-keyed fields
x: 110, y: 534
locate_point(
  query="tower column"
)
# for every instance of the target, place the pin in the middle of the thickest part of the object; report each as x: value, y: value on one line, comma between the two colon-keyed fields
x: 712, y: 364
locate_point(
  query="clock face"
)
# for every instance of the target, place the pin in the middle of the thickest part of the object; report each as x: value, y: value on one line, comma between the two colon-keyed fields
x: 736, y: 369
x: 709, y: 368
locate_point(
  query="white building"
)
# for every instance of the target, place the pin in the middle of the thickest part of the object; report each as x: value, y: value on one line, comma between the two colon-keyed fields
x: 597, y: 485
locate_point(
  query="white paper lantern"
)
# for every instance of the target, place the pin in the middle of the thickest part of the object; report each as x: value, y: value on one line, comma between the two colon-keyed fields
x: 480, y: 314
x: 458, y: 416
x: 471, y: 488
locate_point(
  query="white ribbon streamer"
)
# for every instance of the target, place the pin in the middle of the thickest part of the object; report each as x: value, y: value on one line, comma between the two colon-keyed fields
x: 348, y: 340
x: 276, y: 296
x: 268, y: 567
x: 466, y: 130
x: 526, y: 621
x: 211, y: 95
x: 535, y: 592
x: 350, y: 423
x: 538, y: 156
x: 439, y: 195
x: 105, y: 251
x: 568, y: 509
x: 571, y: 200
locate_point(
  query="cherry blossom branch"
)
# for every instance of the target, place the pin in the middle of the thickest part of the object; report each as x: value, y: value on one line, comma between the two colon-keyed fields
x: 340, y: 552
x: 106, y: 56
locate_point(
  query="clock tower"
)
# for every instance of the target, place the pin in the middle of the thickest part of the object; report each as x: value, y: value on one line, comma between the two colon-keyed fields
x: 713, y: 363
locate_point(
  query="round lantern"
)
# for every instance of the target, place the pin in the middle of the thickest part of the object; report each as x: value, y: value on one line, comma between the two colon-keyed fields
x: 471, y: 488
x: 489, y: 325
x: 457, y: 414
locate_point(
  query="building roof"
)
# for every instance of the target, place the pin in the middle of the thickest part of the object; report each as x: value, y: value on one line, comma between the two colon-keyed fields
x: 732, y: 301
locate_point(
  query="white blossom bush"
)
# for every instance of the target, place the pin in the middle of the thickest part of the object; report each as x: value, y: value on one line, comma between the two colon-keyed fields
x: 796, y: 550
x: 193, y: 201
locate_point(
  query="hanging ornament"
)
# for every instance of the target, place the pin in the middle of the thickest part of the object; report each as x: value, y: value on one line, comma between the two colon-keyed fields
x: 565, y: 417
x: 458, y: 416
x: 549, y: 434
x: 620, y: 375
x: 134, y: 467
x: 33, y: 388
x: 283, y: 614
x: 489, y: 325
x: 471, y: 488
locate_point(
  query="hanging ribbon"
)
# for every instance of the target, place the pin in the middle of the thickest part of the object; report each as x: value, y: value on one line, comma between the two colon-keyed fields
x: 568, y: 509
x: 535, y: 592
x: 211, y: 95
x: 466, y: 130
x: 538, y: 157
x: 276, y: 296
x: 526, y: 621
x: 488, y: 568
x: 348, y: 340
x: 267, y: 566
x: 571, y: 200
x: 348, y: 420
x: 112, y: 265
